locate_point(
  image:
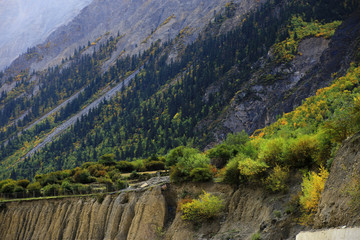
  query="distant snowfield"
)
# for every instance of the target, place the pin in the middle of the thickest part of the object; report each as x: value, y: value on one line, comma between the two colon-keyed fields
x: 26, y: 23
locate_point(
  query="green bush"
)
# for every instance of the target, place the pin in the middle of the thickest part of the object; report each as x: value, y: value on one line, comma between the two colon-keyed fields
x: 273, y: 152
x: 178, y: 154
x: 114, y: 175
x: 189, y: 161
x: 121, y: 184
x: 47, y: 179
x: 250, y: 169
x: 19, y: 189
x: 201, y: 174
x: 276, y: 181
x: 139, y: 165
x: 249, y: 149
x: 340, y: 126
x: 97, y: 170
x: 125, y: 167
x: 40, y: 178
x: 66, y: 173
x: 302, y: 151
x: 34, y: 188
x: 155, y: 157
x: 3, y: 182
x: 221, y: 154
x: 50, y: 190
x: 86, y: 165
x: 174, y: 154
x: 107, y: 182
x: 205, y: 208
x: 79, y: 188
x: 66, y: 188
x: 107, y: 159
x: 177, y: 176
x: 325, y: 148
x: 154, y: 165
x: 23, y: 183
x: 83, y: 176
x: 232, y: 172
x: 8, y: 187
x: 237, y: 138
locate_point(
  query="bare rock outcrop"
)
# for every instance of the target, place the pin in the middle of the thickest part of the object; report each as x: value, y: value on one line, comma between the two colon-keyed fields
x: 276, y: 89
x: 337, y: 207
x: 116, y: 217
x: 150, y: 212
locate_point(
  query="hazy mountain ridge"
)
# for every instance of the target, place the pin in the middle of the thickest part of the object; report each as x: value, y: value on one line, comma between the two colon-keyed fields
x: 24, y: 24
x: 139, y: 22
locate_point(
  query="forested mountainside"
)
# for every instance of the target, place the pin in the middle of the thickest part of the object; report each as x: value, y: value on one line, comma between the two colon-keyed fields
x: 174, y: 102
x: 261, y: 110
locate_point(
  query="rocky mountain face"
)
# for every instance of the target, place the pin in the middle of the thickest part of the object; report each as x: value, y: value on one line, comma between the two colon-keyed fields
x: 274, y: 89
x: 24, y: 24
x: 135, y: 215
x: 340, y: 200
x: 140, y: 23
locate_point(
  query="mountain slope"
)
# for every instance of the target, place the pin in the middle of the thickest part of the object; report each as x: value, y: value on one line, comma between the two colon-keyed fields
x: 298, y: 173
x: 279, y: 88
x: 140, y: 23
x: 24, y: 24
x: 50, y: 88
x: 164, y: 95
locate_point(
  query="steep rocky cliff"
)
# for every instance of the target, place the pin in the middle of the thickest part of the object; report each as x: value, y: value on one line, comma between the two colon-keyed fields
x: 277, y: 88
x: 117, y: 217
x: 149, y: 214
x: 339, y: 202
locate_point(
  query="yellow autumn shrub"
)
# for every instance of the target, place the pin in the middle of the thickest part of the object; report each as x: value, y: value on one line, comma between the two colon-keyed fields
x: 312, y: 187
x: 276, y: 181
x: 205, y: 208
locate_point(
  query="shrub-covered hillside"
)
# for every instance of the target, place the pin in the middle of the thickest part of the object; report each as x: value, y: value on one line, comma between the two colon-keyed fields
x: 302, y: 141
x: 167, y: 103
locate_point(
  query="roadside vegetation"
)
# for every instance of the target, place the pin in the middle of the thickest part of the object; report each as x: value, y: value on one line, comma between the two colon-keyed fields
x: 106, y: 175
x: 159, y: 119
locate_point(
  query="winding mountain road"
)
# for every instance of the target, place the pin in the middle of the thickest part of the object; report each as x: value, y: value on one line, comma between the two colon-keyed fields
x: 71, y: 121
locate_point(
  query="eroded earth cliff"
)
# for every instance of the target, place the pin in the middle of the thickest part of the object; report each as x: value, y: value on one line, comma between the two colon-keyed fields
x: 150, y: 213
